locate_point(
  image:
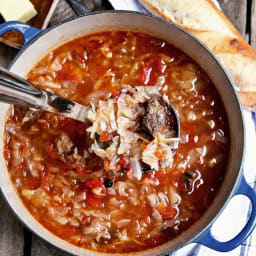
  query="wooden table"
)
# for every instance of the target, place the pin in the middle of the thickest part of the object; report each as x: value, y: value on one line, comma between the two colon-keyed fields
x: 15, y: 239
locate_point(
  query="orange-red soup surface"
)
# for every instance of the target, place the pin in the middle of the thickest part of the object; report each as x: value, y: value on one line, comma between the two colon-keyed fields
x: 70, y: 190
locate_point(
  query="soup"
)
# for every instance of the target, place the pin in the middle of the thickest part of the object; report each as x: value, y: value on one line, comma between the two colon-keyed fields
x: 75, y: 193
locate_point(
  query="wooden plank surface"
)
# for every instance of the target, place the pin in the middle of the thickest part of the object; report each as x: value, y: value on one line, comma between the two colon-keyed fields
x: 17, y: 241
x: 62, y: 12
x: 11, y: 235
x: 42, y: 248
x: 236, y: 11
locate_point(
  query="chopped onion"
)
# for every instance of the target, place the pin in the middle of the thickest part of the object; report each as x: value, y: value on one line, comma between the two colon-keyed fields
x: 163, y: 198
x: 174, y: 197
x: 123, y: 223
x: 156, y: 215
x: 136, y: 168
x: 153, y: 200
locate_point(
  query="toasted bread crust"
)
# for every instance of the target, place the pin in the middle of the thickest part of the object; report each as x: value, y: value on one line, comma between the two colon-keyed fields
x: 248, y: 99
x: 203, y: 19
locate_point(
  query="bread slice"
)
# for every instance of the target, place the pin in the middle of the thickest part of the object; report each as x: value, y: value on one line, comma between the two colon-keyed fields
x: 203, y: 19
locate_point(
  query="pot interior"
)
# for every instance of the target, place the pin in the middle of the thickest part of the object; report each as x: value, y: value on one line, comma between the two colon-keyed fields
x: 68, y: 31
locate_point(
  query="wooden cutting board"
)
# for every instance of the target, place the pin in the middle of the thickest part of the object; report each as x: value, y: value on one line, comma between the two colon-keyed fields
x: 45, y: 11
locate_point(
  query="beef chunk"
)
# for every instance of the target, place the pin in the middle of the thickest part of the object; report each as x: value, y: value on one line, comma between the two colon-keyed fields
x: 158, y: 117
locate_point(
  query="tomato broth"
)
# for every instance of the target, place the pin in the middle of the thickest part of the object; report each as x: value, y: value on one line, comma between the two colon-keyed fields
x: 72, y: 191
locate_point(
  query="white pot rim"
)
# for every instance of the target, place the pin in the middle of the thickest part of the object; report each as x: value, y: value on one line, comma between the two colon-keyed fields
x: 99, y: 21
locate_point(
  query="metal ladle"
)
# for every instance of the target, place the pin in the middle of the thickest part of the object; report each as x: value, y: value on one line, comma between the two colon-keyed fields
x: 16, y: 90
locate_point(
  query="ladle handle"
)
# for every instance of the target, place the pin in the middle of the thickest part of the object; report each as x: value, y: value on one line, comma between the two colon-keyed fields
x: 16, y: 90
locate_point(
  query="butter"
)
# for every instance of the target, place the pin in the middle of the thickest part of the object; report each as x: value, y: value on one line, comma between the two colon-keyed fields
x: 20, y: 10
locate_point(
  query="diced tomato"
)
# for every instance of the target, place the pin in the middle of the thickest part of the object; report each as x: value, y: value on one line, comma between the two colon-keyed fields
x: 69, y: 72
x: 153, y: 180
x: 110, y: 175
x: 63, y: 166
x: 129, y: 173
x: 160, y: 174
x: 73, y: 128
x: 45, y: 125
x: 153, y: 177
x: 79, y: 58
x: 25, y: 150
x: 143, y: 146
x: 157, y: 61
x: 158, y: 155
x: 99, y: 192
x: 93, y: 45
x: 80, y: 169
x: 32, y: 183
x: 105, y: 136
x: 117, y: 168
x: 99, y: 69
x: 147, y: 175
x: 52, y: 153
x: 86, y: 219
x: 177, y: 172
x: 168, y: 213
x: 45, y: 182
x: 153, y: 66
x: 81, y: 187
x: 147, y: 219
x: 93, y: 183
x: 161, y: 207
x: 44, y: 173
x: 145, y: 75
x: 21, y: 169
x: 93, y: 202
x: 106, y: 165
x: 192, y: 141
x: 80, y: 55
x: 46, y: 187
x: 115, y: 94
x: 69, y: 126
x: 123, y: 162
x: 66, y: 232
x: 68, y: 164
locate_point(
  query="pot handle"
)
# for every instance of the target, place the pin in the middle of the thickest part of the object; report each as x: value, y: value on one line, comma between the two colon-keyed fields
x: 208, y: 240
x: 27, y: 31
